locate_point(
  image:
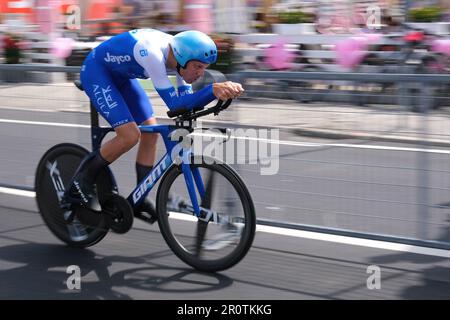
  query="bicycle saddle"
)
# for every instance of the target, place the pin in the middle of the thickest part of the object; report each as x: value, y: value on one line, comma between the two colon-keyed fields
x: 78, y: 85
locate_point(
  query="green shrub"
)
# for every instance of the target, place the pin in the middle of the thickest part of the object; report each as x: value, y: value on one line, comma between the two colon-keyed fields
x: 426, y: 14
x: 295, y: 17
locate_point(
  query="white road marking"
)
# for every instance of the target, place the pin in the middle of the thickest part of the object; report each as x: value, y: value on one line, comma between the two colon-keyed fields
x: 50, y: 124
x: 280, y: 142
x: 18, y: 192
x: 299, y: 233
x: 355, y: 241
x: 273, y: 208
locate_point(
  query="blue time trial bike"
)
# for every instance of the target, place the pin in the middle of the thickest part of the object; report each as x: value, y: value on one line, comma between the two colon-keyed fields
x: 204, y: 210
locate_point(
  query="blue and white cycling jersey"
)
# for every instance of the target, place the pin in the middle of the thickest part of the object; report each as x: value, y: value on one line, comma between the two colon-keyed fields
x: 109, y: 77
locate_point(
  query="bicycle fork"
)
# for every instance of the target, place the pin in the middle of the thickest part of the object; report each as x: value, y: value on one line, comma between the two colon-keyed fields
x: 202, y: 211
x: 193, y: 179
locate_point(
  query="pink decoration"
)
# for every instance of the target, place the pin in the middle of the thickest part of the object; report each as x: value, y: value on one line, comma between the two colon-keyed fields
x: 62, y: 47
x: 349, y: 52
x: 278, y: 57
x: 46, y: 14
x: 442, y: 46
x: 198, y: 15
x: 371, y: 37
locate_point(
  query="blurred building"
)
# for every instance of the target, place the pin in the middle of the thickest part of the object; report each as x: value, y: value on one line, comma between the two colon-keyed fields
x: 232, y: 16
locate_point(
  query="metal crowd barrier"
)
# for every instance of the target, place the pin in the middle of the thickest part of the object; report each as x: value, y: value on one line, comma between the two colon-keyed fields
x: 398, y: 194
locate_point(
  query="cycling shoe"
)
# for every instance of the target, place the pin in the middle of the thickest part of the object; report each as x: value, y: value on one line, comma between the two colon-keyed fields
x: 84, y: 193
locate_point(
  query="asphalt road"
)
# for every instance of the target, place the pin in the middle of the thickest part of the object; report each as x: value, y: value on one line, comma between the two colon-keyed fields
x: 357, y: 185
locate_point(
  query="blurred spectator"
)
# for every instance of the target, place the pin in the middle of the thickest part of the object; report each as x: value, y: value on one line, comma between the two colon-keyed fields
x: 131, y: 7
x: 390, y: 24
x: 12, y: 49
x: 103, y: 15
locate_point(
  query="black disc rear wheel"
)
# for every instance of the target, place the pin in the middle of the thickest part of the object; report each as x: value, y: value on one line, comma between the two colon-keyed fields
x: 53, y: 174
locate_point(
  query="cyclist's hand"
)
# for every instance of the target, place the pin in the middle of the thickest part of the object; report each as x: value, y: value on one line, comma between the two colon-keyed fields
x: 227, y: 90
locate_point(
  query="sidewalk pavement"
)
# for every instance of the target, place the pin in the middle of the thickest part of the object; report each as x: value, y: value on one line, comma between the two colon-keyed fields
x: 321, y: 120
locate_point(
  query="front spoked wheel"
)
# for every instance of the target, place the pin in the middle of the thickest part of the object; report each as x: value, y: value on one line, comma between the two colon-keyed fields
x: 224, y: 233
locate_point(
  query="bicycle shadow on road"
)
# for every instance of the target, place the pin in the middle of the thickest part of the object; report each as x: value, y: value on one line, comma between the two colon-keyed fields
x: 39, y: 271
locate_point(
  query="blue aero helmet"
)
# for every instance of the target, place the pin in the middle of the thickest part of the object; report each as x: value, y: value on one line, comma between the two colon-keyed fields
x: 193, y: 45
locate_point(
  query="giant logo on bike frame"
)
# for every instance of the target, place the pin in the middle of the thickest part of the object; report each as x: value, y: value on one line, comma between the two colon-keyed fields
x: 151, y: 179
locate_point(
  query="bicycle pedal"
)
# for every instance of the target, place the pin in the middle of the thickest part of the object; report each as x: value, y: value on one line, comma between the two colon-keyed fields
x: 145, y: 218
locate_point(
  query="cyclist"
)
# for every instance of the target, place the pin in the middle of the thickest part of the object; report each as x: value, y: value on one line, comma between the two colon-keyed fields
x: 108, y: 77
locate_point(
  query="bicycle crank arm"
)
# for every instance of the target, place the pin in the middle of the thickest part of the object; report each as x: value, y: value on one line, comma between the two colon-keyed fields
x: 145, y: 218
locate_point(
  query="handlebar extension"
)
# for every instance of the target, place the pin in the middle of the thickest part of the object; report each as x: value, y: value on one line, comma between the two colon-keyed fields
x: 185, y: 114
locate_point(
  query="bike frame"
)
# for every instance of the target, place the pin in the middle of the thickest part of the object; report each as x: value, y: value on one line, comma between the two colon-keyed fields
x: 192, y: 176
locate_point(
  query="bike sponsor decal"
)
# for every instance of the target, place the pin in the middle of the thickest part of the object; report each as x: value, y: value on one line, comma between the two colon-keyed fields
x: 151, y: 178
x: 56, y: 179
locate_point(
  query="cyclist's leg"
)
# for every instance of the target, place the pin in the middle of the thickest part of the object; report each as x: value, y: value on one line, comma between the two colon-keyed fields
x: 101, y: 89
x: 146, y: 154
x: 144, y: 164
x: 127, y: 136
x: 142, y: 111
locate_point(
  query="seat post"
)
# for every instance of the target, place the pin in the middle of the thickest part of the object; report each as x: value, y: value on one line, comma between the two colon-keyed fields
x: 96, y: 134
x: 94, y: 116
